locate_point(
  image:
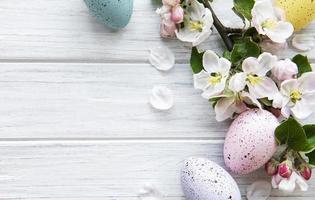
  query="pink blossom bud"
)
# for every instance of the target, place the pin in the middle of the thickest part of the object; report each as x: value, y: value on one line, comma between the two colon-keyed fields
x: 306, y: 172
x: 284, y: 70
x: 167, y: 30
x: 177, y: 15
x: 170, y: 2
x: 284, y: 169
x: 271, y: 167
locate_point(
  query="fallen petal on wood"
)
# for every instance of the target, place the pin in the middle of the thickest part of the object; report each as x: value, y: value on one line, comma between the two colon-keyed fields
x: 162, y: 58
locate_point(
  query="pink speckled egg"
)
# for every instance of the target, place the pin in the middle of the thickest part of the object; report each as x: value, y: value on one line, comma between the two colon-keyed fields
x: 250, y: 141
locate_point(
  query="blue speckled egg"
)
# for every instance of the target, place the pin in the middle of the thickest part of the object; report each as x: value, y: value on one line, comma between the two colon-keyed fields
x: 113, y: 13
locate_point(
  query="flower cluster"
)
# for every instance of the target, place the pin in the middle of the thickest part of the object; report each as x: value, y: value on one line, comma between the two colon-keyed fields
x: 290, y: 172
x: 261, y: 82
x: 250, y: 75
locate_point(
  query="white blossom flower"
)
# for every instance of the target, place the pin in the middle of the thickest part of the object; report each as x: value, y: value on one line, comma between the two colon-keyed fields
x: 236, y: 102
x: 289, y: 184
x: 254, y: 77
x: 197, y: 24
x: 212, y: 80
x: 284, y: 70
x: 296, y: 96
x: 268, y: 21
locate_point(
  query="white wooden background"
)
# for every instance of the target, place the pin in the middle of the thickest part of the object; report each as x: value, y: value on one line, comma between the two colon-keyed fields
x: 75, y: 122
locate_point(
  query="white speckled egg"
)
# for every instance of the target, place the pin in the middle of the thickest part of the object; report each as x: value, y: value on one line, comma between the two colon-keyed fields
x: 250, y: 141
x: 203, y: 179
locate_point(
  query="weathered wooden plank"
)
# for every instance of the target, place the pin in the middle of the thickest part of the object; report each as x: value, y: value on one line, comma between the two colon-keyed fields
x: 99, y: 101
x: 59, y: 30
x: 103, y: 170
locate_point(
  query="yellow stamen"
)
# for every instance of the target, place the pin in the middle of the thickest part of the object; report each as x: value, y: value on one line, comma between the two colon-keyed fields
x: 295, y: 96
x: 196, y: 26
x: 215, y: 79
x: 253, y: 79
x: 270, y: 24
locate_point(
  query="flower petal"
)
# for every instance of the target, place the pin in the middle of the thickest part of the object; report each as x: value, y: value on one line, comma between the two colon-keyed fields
x: 281, y: 33
x: 250, y: 65
x: 303, y: 42
x: 259, y: 190
x: 288, y: 86
x: 247, y: 98
x: 162, y: 58
x: 237, y: 82
x: 288, y: 185
x: 214, y: 90
x: 201, y: 80
x: 301, y: 183
x: 265, y: 88
x: 302, y: 109
x: 307, y: 82
x: 225, y: 66
x: 266, y: 62
x: 161, y: 98
x: 225, y: 108
x: 210, y: 62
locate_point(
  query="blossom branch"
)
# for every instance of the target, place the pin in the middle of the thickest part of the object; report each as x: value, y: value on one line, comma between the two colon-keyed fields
x: 222, y: 30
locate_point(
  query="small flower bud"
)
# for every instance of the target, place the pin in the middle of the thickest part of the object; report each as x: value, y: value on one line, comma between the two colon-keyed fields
x: 306, y: 172
x: 170, y: 2
x: 177, y: 14
x: 284, y: 70
x: 271, y: 167
x: 284, y: 169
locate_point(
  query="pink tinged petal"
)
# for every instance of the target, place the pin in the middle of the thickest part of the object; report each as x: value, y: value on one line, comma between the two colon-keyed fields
x: 301, y: 183
x: 225, y: 66
x: 201, y: 80
x: 250, y: 100
x: 266, y: 88
x: 288, y: 86
x: 266, y: 62
x: 276, y: 179
x: 225, y: 108
x: 214, y: 90
x: 237, y: 82
x: 302, y: 109
x: 250, y: 65
x: 167, y: 30
x: 210, y: 62
x: 268, y: 45
x: 307, y: 82
x: 281, y: 33
x: 284, y: 70
x: 177, y: 15
x: 288, y: 185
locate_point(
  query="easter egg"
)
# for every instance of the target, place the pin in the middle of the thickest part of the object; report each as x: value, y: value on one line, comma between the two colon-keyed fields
x: 113, y: 13
x: 203, y: 179
x: 299, y: 12
x: 250, y: 141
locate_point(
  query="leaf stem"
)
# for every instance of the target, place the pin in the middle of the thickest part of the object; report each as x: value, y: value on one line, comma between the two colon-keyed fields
x: 222, y: 30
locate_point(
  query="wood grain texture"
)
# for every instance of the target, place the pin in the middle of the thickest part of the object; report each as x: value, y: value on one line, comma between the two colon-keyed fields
x: 58, y: 30
x: 75, y: 122
x: 103, y: 170
x: 100, y: 101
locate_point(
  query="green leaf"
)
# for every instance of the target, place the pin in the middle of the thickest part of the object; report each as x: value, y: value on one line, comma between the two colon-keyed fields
x: 266, y: 101
x: 292, y: 133
x: 302, y: 63
x: 244, y: 7
x: 311, y: 158
x: 310, y: 133
x: 227, y: 55
x: 196, y: 60
x: 243, y: 49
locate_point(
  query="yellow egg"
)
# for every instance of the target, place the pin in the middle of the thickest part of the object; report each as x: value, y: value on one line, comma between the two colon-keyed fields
x: 299, y: 12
